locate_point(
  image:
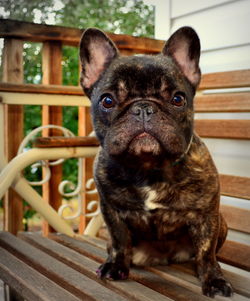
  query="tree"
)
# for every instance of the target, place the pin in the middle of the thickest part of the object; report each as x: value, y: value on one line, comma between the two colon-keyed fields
x: 131, y: 17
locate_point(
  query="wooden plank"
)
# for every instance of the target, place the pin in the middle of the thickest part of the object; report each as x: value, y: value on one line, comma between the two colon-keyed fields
x: 236, y: 254
x: 52, y: 74
x: 129, y: 289
x: 166, y: 287
x: 43, y: 89
x: 71, y: 36
x: 52, y: 63
x: 30, y: 283
x: 224, y: 102
x: 236, y: 218
x: 241, y: 284
x: 13, y: 131
x: 226, y: 129
x: 10, y: 98
x: 188, y: 281
x: 85, y: 128
x: 82, y: 131
x: 228, y: 79
x: 186, y: 273
x: 235, y: 186
x: 65, y: 141
x: 73, y: 281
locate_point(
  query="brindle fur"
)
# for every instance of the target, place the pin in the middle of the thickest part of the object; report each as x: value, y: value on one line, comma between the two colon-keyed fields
x: 160, y: 190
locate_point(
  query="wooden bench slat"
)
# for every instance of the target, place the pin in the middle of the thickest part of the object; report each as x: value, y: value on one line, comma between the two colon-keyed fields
x: 76, y: 283
x: 236, y: 254
x: 236, y: 218
x: 190, y: 281
x: 33, y: 285
x: 187, y: 272
x: 88, y: 267
x: 167, y: 286
x: 225, y: 256
x: 98, y: 245
x: 229, y: 79
x: 43, y: 89
x: 58, y: 141
x: 240, y: 283
x: 224, y: 102
x: 226, y: 129
x: 235, y: 186
x: 163, y: 286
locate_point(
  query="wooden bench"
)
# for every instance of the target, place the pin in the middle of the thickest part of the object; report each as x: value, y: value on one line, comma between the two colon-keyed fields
x: 63, y: 268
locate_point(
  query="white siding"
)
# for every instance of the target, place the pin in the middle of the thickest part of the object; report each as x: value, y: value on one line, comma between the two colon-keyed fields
x: 223, y: 27
x: 180, y: 7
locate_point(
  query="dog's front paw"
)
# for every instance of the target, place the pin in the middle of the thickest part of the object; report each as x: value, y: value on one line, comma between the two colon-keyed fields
x: 112, y: 271
x: 217, y: 286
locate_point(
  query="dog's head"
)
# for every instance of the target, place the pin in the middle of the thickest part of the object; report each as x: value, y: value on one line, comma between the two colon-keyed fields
x: 141, y: 104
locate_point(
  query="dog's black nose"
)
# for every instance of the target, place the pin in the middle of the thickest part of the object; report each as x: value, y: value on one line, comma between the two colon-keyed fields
x: 143, y: 111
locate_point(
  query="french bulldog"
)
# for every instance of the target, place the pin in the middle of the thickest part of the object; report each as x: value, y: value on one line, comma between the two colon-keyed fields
x: 158, y: 186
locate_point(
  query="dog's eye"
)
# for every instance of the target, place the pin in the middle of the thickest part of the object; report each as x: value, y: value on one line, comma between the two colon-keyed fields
x: 179, y: 100
x: 107, y: 101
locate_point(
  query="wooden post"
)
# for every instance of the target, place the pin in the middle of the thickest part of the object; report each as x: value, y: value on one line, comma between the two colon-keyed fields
x: 13, y: 72
x: 84, y: 129
x: 52, y: 74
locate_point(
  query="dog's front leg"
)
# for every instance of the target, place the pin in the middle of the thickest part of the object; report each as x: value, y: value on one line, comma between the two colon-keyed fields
x: 117, y: 264
x: 205, y: 235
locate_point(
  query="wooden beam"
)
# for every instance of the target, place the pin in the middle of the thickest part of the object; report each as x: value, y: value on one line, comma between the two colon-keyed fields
x: 236, y: 218
x: 235, y: 254
x: 43, y: 89
x: 235, y: 186
x: 44, y: 99
x: 85, y: 127
x: 224, y: 102
x: 65, y: 141
x: 13, y: 72
x: 226, y: 129
x: 229, y: 79
x: 82, y: 131
x: 52, y: 74
x: 71, y: 36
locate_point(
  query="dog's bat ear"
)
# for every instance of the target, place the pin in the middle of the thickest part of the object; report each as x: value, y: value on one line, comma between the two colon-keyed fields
x: 96, y: 52
x: 184, y: 47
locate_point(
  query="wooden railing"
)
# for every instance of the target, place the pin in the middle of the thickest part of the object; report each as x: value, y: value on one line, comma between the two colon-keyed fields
x: 53, y: 38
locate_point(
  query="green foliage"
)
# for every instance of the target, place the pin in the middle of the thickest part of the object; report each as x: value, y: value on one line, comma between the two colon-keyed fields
x: 119, y: 16
x: 26, y: 10
x: 32, y: 66
x: 32, y: 117
x: 70, y: 64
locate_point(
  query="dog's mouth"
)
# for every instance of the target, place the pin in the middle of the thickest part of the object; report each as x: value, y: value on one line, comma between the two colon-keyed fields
x: 144, y: 143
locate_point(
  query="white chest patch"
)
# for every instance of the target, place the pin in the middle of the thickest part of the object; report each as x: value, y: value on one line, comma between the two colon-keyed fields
x: 151, y: 199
